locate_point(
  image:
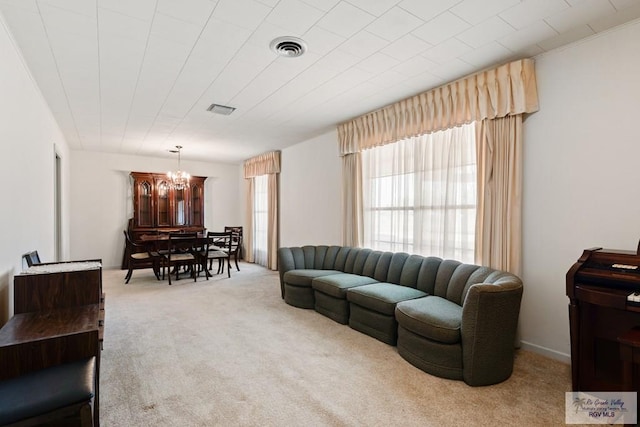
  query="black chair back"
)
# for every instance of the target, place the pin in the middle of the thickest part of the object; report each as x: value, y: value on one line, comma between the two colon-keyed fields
x: 32, y: 258
x: 220, y: 246
x: 237, y: 242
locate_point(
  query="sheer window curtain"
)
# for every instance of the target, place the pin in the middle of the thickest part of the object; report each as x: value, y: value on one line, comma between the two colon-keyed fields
x: 260, y: 219
x: 420, y: 195
x: 265, y: 166
x: 248, y: 231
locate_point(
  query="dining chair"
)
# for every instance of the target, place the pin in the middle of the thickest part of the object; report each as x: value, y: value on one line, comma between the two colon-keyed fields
x: 139, y: 257
x: 218, y: 246
x: 179, y: 252
x: 236, y: 249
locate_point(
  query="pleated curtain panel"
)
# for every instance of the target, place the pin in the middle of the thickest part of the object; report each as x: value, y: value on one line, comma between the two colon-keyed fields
x: 495, y: 99
x: 264, y: 164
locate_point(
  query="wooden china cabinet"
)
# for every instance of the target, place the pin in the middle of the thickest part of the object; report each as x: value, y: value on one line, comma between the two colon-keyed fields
x: 157, y: 206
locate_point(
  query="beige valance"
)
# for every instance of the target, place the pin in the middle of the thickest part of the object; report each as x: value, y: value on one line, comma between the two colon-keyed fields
x: 263, y: 164
x: 506, y: 90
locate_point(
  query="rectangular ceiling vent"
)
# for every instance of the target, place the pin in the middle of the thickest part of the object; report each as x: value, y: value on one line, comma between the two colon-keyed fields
x: 221, y: 109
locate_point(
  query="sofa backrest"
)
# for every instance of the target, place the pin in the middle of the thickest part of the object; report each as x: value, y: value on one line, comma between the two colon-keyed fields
x: 309, y: 253
x: 360, y: 260
x: 315, y: 257
x: 395, y: 267
x: 427, y: 274
x: 382, y: 266
x: 411, y: 271
x: 341, y: 259
x: 448, y: 279
x: 330, y: 257
x: 369, y: 268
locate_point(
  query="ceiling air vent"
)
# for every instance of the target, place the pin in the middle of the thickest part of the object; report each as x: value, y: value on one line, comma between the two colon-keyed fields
x: 221, y: 109
x: 290, y: 47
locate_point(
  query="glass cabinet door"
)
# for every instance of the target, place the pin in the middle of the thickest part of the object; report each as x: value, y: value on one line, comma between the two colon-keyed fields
x: 197, y: 217
x: 145, y: 215
x: 180, y: 201
x: 163, y: 193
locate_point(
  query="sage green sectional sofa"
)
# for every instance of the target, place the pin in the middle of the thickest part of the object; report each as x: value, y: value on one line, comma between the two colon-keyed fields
x: 447, y: 318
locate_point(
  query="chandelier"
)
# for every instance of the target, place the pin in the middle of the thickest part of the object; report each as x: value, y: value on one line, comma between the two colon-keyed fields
x: 178, y: 179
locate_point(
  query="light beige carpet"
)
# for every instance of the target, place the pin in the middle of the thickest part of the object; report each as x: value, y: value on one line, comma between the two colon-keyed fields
x: 230, y: 352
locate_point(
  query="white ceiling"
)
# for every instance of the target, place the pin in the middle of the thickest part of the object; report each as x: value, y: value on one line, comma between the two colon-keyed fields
x: 137, y: 76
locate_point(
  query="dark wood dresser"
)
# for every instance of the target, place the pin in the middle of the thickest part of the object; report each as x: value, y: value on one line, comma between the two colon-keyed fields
x: 58, y: 318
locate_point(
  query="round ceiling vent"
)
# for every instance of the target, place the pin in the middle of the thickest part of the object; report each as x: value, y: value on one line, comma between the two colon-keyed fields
x: 290, y: 47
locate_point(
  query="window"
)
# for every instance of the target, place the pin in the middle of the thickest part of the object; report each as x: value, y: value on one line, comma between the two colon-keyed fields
x: 260, y: 219
x: 420, y: 195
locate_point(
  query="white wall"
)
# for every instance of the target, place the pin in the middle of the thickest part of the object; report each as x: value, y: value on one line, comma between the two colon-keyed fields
x: 310, y: 193
x: 581, y: 172
x: 28, y: 134
x: 102, y: 199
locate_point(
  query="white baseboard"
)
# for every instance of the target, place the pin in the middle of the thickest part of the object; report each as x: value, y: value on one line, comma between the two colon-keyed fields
x: 553, y: 354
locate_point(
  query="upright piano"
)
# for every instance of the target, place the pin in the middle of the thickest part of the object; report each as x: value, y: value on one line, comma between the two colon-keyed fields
x: 603, y: 287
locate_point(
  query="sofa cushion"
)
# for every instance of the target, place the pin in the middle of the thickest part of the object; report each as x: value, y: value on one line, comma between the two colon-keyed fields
x: 303, y: 277
x: 336, y: 285
x: 382, y: 297
x: 432, y: 317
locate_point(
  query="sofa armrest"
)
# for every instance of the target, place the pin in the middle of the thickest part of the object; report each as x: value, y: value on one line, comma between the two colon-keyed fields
x: 489, y: 323
x: 286, y: 262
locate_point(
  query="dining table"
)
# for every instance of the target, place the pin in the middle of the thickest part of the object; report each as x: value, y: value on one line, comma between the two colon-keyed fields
x: 158, y: 242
